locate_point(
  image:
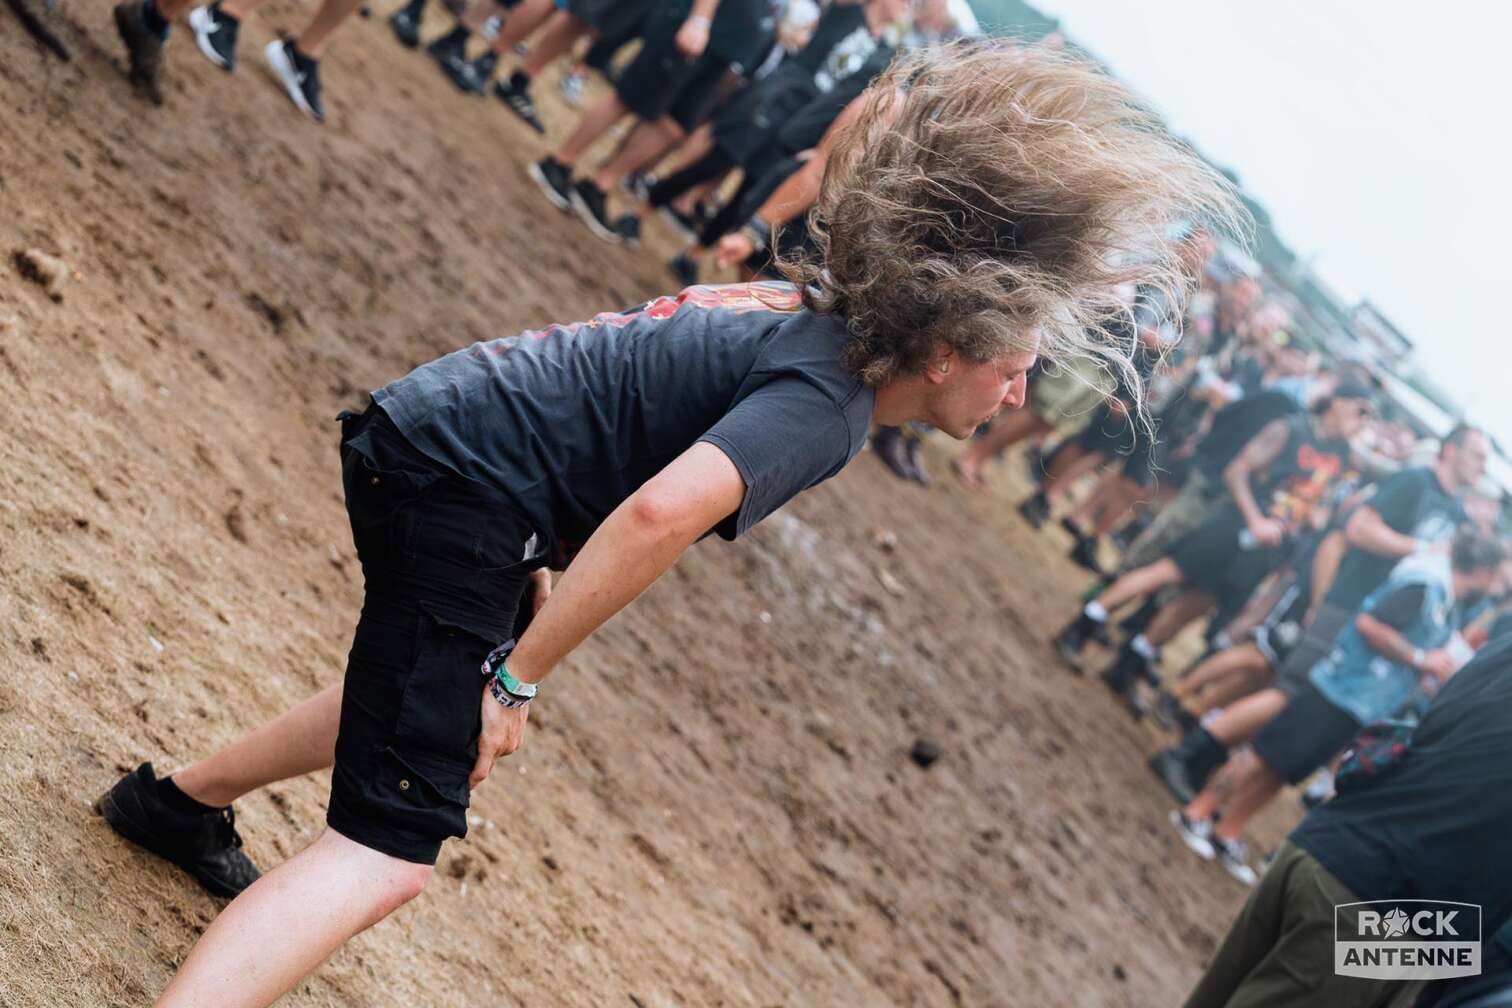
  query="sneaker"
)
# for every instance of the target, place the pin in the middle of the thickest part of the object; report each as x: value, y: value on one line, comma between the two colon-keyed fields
x: 555, y: 180
x: 638, y: 184
x: 299, y: 75
x: 519, y: 102
x: 914, y: 453
x: 1070, y: 641
x: 1197, y: 834
x: 1170, y: 715
x: 468, y: 76
x: 1035, y: 510
x: 887, y: 442
x: 592, y: 207
x: 144, y: 50
x: 206, y: 846
x: 628, y: 229
x: 1172, y: 770
x: 1318, y: 790
x: 1235, y: 860
x: 452, y: 45
x: 406, y: 27
x: 685, y: 268
x: 215, y: 34
x: 572, y: 89
x: 42, y: 20
x: 685, y: 225
x: 1084, y: 555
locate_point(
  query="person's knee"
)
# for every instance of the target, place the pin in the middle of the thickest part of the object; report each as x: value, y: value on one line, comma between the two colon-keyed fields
x: 403, y: 882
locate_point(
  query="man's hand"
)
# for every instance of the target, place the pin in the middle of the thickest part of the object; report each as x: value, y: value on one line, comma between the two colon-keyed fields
x: 693, y: 36
x: 503, y: 731
x: 1268, y: 532
x: 1437, y: 667
x: 732, y: 249
x: 542, y: 579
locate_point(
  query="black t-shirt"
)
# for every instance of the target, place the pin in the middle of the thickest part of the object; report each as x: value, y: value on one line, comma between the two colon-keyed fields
x: 834, y: 26
x: 1411, y: 502
x: 1235, y: 426
x: 1301, y: 475
x: 570, y: 420
x: 1435, y: 826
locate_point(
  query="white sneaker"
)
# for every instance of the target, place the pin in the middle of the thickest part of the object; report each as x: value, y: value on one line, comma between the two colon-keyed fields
x: 1197, y: 834
x: 1235, y: 860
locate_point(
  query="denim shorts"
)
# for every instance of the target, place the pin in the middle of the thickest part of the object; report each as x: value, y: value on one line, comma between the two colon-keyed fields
x: 445, y: 563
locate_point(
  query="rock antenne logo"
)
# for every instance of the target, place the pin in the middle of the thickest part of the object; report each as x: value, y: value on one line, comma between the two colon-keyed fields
x: 1407, y: 939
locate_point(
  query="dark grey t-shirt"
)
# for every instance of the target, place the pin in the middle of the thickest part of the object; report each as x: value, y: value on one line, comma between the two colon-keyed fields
x: 570, y: 420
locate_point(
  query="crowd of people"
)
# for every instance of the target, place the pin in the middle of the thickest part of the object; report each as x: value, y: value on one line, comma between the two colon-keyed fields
x: 1346, y: 570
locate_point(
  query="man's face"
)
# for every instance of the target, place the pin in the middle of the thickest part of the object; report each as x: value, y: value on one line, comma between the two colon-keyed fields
x: 1466, y: 459
x: 966, y: 395
x: 1347, y: 417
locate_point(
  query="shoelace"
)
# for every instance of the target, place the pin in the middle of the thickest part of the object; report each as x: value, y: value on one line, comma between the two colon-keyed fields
x: 225, y: 828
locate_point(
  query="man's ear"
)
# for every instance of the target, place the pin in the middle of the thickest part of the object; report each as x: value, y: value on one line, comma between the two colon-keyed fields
x: 941, y: 364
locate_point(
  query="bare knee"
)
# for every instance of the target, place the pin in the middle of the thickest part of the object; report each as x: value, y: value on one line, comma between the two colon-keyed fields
x: 401, y: 883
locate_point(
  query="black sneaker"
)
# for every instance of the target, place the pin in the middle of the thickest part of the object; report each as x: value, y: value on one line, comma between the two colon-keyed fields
x: 638, y: 184
x: 215, y: 34
x: 592, y: 207
x: 686, y: 225
x: 1234, y: 857
x: 406, y: 25
x: 555, y: 180
x: 144, y: 51
x: 1173, y: 773
x: 685, y: 268
x: 914, y: 453
x: 206, y: 846
x: 1170, y: 715
x: 41, y: 19
x: 1070, y: 641
x: 887, y: 442
x: 299, y: 75
x: 452, y: 45
x: 1197, y: 834
x: 1123, y: 678
x: 628, y: 229
x: 518, y: 101
x: 1035, y: 509
x: 1084, y: 555
x: 468, y: 76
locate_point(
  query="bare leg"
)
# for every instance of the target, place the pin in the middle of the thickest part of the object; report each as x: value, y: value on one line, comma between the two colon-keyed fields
x: 518, y: 23
x: 1210, y: 798
x: 562, y: 30
x: 238, y: 9
x: 1139, y: 583
x: 593, y: 125
x: 1176, y: 614
x: 317, y: 34
x: 1256, y: 786
x: 1116, y: 507
x: 1008, y: 430
x: 299, y: 741
x: 1065, y: 468
x: 1214, y: 668
x: 287, y: 922
x: 1239, y: 723
x: 646, y: 143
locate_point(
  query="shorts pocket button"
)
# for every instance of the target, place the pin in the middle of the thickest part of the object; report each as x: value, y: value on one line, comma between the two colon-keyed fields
x: 374, y: 481
x: 404, y: 785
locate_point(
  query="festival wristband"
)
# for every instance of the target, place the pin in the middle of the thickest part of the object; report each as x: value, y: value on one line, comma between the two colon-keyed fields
x: 698, y: 19
x: 503, y: 686
x: 759, y: 232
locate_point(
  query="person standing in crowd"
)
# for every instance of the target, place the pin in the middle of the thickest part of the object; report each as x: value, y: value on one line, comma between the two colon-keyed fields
x: 143, y: 27
x: 1393, y: 653
x: 1410, y: 511
x: 1430, y: 825
x: 619, y: 443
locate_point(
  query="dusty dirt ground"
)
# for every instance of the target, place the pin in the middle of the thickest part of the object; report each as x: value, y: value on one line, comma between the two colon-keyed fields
x: 715, y: 807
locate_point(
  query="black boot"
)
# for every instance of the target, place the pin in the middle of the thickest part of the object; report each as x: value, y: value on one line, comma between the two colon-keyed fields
x: 1123, y: 676
x: 1171, y: 715
x: 1185, y: 767
x: 1035, y: 509
x: 1070, y: 641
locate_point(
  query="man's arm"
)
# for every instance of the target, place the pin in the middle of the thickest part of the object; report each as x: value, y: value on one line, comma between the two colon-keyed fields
x: 693, y: 37
x: 1262, y: 450
x: 634, y: 546
x: 1368, y: 531
x: 1435, y: 666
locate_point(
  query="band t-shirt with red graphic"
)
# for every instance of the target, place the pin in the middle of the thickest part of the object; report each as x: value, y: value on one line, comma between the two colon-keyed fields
x: 570, y: 420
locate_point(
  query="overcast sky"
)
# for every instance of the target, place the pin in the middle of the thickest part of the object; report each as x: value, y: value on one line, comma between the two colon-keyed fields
x: 1378, y: 134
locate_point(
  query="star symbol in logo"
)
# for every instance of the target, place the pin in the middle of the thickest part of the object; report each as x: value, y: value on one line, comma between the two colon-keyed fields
x: 1396, y: 923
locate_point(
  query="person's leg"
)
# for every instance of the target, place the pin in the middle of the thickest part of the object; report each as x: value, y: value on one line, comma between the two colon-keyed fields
x: 527, y: 16
x: 562, y: 30
x: 288, y: 922
x: 299, y: 741
x: 595, y: 123
x: 1215, y: 667
x: 1254, y: 785
x: 1248, y: 674
x: 331, y: 14
x: 1176, y: 614
x: 645, y: 145
x: 1065, y: 469
x: 1122, y: 497
x: 1139, y: 583
x: 1005, y: 432
x: 1239, y: 722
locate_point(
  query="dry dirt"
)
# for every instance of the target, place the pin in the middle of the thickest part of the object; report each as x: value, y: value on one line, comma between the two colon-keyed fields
x: 716, y: 805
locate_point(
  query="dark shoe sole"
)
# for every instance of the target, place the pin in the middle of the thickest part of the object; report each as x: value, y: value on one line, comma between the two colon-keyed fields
x: 116, y: 818
x: 555, y: 198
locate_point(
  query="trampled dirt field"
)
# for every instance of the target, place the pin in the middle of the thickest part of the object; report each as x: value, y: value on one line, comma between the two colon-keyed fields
x: 716, y: 804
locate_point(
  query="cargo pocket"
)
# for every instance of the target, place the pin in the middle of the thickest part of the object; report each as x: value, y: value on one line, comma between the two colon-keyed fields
x: 440, y: 709
x: 417, y: 797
